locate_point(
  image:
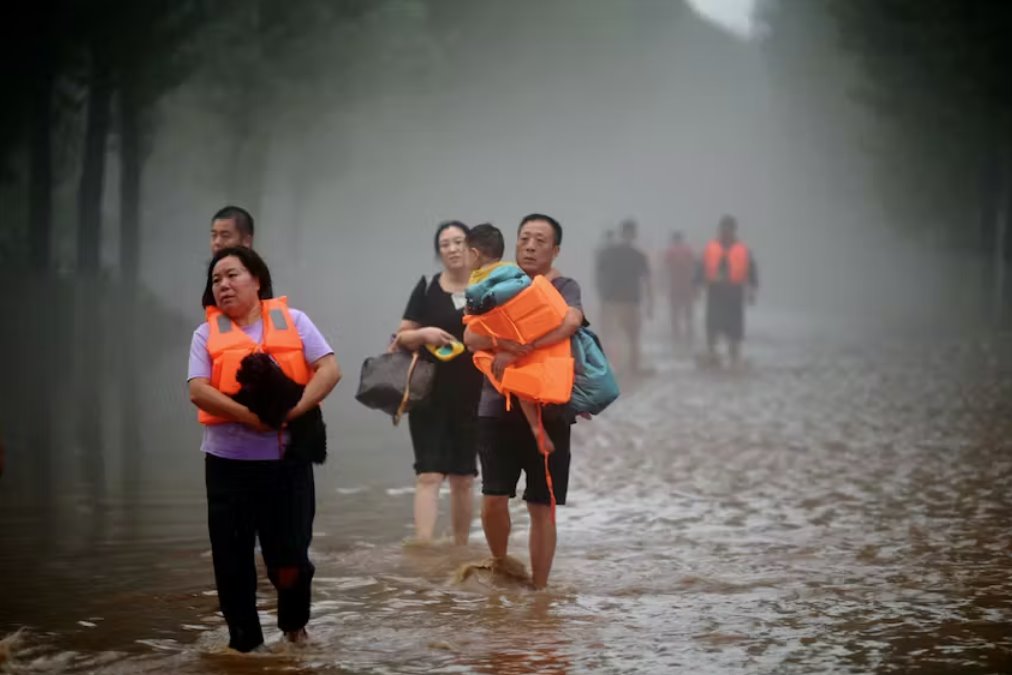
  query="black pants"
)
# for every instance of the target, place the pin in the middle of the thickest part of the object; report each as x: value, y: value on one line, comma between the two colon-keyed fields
x: 276, y: 501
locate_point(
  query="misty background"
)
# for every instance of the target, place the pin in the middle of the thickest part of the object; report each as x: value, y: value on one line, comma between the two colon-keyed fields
x: 871, y: 181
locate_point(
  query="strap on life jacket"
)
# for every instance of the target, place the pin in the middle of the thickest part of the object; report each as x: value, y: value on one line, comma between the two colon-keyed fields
x: 543, y: 449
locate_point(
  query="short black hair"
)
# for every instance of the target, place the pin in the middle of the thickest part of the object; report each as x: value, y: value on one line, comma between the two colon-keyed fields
x: 251, y: 260
x: 556, y: 228
x: 445, y: 225
x: 487, y: 238
x: 727, y: 220
x: 242, y: 218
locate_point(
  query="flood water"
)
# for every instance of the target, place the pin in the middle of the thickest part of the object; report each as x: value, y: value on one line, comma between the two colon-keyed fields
x: 843, y: 505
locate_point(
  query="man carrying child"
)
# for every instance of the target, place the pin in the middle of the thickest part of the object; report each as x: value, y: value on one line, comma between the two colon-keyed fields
x: 507, y: 443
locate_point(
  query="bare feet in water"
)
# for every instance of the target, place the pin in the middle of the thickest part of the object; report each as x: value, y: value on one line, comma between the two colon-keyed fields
x: 297, y: 636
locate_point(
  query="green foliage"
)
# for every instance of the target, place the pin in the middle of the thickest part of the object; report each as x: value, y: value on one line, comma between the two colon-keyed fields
x: 936, y: 75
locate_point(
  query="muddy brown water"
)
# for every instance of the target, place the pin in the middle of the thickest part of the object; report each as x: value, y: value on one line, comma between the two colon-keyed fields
x: 840, y: 506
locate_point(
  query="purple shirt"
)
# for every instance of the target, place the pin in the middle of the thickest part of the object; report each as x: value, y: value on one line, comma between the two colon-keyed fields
x: 232, y: 440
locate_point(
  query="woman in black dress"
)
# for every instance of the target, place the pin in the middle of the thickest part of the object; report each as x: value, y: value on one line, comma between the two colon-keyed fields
x: 443, y: 429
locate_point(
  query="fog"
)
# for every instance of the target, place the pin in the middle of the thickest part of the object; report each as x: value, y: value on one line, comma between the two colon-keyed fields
x: 351, y: 146
x: 591, y: 112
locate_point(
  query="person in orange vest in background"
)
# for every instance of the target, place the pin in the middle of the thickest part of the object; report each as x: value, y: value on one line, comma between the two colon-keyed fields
x: 679, y: 267
x: 729, y: 273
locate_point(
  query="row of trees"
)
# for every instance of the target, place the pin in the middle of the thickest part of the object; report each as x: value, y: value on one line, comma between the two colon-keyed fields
x: 84, y: 80
x: 934, y: 75
x: 85, y: 83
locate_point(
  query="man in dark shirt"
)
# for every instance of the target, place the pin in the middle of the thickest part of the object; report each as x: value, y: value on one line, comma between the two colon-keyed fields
x: 506, y: 444
x: 625, y: 284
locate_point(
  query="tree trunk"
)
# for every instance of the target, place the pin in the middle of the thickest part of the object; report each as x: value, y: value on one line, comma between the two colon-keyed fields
x: 40, y: 180
x: 89, y: 197
x: 1001, y: 243
x: 89, y: 292
x: 130, y: 184
x: 129, y: 261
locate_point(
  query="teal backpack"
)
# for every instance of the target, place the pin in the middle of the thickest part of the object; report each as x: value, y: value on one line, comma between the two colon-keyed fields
x: 594, y: 382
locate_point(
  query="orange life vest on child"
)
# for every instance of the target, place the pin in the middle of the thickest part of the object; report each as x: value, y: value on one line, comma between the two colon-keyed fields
x: 228, y: 345
x: 737, y: 261
x: 546, y: 374
x: 531, y: 313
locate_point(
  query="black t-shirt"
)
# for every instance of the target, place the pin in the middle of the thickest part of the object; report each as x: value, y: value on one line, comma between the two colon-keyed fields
x: 622, y: 269
x: 430, y: 305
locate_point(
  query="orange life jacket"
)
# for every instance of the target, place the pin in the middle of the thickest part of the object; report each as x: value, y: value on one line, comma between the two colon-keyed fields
x: 228, y: 345
x: 543, y: 376
x: 546, y: 374
x: 737, y: 261
x: 531, y: 313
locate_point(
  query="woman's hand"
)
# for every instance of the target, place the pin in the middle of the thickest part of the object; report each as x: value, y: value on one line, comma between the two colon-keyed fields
x: 412, y: 339
x: 437, y: 337
x: 250, y: 419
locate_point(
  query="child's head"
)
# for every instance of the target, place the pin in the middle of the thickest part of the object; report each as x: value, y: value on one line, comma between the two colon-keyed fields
x: 486, y: 244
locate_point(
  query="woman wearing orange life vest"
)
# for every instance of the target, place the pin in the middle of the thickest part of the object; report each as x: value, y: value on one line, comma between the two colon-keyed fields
x: 729, y: 273
x: 253, y: 489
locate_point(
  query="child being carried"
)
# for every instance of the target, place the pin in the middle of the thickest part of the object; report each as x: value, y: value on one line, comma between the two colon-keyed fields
x: 511, y: 309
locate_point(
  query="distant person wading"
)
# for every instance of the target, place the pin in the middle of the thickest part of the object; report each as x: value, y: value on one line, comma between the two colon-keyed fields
x: 626, y: 296
x: 678, y: 272
x: 729, y: 273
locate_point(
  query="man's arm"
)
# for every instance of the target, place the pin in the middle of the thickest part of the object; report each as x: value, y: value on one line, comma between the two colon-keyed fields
x: 753, y: 279
x: 570, y: 324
